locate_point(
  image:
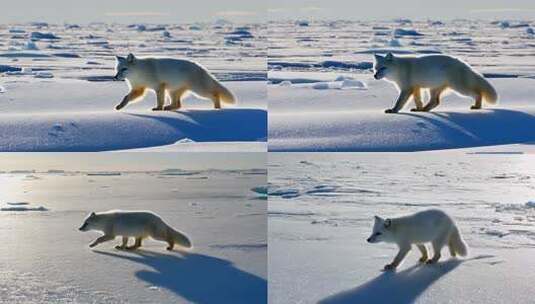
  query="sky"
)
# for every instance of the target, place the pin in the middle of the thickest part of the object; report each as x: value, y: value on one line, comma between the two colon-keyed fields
x: 181, y: 11
x: 130, y: 11
x: 129, y: 161
x: 412, y: 9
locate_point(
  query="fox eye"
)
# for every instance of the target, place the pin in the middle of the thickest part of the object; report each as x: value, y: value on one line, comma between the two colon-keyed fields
x: 378, y: 233
x: 123, y: 70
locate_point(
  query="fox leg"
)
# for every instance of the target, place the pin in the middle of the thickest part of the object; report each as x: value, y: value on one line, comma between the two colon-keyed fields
x: 171, y: 245
x: 452, y: 251
x: 137, y: 244
x: 133, y: 95
x: 403, y: 250
x: 416, y: 95
x: 124, y: 243
x: 434, y: 101
x: 438, y: 244
x: 102, y: 239
x: 217, y: 101
x: 171, y: 242
x: 423, y: 250
x: 160, y: 97
x: 402, y: 100
x: 176, y: 99
x: 478, y: 102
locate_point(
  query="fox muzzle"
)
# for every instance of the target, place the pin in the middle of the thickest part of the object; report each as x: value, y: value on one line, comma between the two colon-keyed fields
x: 380, y: 73
x: 83, y: 227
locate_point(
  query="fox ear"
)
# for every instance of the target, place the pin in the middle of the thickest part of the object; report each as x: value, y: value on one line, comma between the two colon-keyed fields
x: 377, y: 218
x: 92, y: 214
x: 389, y: 56
x: 120, y: 59
x: 388, y: 223
x: 130, y: 58
x: 378, y: 57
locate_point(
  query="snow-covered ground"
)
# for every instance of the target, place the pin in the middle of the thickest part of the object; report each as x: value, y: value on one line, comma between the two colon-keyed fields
x: 322, y: 96
x: 321, y: 209
x: 45, y: 259
x: 57, y: 95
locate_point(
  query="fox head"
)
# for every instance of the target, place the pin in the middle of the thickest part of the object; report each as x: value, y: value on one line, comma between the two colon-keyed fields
x: 124, y: 66
x: 382, y: 230
x: 91, y: 222
x: 383, y: 65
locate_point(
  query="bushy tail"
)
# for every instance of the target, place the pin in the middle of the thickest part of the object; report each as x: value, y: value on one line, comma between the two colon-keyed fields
x: 179, y: 238
x: 457, y: 243
x: 224, y: 94
x: 487, y: 90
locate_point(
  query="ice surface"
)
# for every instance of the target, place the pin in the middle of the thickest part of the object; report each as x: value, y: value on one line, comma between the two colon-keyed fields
x: 62, y: 74
x: 54, y: 264
x: 311, y: 111
x: 321, y: 209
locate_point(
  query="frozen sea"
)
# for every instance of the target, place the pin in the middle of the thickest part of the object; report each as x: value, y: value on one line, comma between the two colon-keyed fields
x: 321, y: 209
x: 323, y: 97
x: 57, y: 93
x: 45, y: 259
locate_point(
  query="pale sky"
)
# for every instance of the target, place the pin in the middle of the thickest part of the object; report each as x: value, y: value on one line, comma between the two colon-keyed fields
x: 130, y: 161
x: 182, y: 11
x: 130, y: 11
x: 388, y: 9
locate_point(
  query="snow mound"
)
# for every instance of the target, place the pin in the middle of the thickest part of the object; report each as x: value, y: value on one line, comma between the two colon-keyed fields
x: 103, y: 131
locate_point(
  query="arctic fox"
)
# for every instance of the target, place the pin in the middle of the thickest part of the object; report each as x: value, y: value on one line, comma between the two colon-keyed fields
x: 173, y: 77
x: 430, y: 226
x: 137, y: 224
x: 436, y: 73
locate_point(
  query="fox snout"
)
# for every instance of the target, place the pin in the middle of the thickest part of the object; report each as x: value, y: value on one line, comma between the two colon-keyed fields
x: 83, y: 227
x: 379, y: 73
x: 369, y: 240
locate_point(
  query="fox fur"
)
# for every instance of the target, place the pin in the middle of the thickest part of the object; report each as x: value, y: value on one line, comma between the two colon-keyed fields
x: 429, y: 226
x: 169, y: 78
x: 136, y: 224
x: 437, y: 73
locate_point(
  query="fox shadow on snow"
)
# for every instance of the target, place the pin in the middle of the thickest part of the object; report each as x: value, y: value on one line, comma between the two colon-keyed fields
x: 197, y: 278
x: 398, y: 287
x: 215, y: 125
x: 483, y: 127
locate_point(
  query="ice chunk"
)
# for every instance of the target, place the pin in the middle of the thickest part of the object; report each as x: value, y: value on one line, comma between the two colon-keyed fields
x: 404, y: 32
x: 40, y: 35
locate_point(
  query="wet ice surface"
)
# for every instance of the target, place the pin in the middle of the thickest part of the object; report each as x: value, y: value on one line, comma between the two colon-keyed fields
x: 321, y: 212
x: 323, y: 96
x: 45, y: 259
x: 57, y: 83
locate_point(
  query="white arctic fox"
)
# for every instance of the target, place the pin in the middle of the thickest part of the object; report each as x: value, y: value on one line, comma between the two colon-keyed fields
x: 430, y: 226
x: 136, y: 224
x: 173, y: 77
x: 436, y: 73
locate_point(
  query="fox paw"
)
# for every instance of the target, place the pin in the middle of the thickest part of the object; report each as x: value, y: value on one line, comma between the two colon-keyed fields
x: 431, y: 262
x: 417, y: 110
x: 169, y: 108
x: 119, y: 247
x: 389, y: 267
x: 475, y: 108
x: 390, y: 111
x: 157, y: 109
x: 423, y: 260
x: 169, y: 248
